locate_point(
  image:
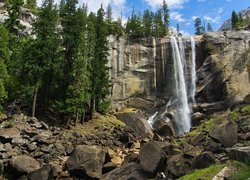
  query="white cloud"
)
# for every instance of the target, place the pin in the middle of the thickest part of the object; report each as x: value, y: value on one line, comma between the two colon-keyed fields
x: 201, y: 0
x: 177, y: 16
x: 215, y: 19
x: 174, y: 4
x: 194, y: 17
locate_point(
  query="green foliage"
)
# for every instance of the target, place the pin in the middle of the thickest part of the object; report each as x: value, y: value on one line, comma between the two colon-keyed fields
x: 104, y: 106
x: 199, y: 29
x: 234, y: 19
x: 4, y: 57
x: 242, y: 171
x: 234, y: 115
x: 14, y: 12
x: 149, y: 24
x: 10, y: 123
x: 205, y: 174
x: 245, y: 110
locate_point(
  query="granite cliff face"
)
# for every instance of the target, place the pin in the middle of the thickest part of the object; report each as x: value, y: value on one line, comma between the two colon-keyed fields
x: 142, y: 71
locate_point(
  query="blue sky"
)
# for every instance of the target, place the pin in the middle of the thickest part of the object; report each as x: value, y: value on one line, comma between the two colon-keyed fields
x: 181, y: 11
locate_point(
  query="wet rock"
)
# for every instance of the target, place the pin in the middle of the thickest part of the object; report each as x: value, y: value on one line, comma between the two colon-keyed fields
x: 204, y: 160
x: 239, y: 153
x: 152, y: 158
x: 225, y: 133
x: 86, y: 162
x: 128, y: 171
x: 23, y: 165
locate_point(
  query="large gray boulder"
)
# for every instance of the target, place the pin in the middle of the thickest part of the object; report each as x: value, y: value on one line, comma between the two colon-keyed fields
x: 239, y: 153
x: 152, y: 158
x: 136, y: 122
x: 125, y: 172
x: 225, y: 133
x: 178, y: 166
x: 23, y: 165
x: 86, y: 162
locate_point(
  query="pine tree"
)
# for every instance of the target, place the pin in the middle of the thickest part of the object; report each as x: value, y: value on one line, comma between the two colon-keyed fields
x: 99, y: 75
x: 147, y: 23
x: 4, y: 56
x: 159, y: 28
x: 109, y: 13
x: 40, y: 56
x: 165, y: 15
x: 234, y: 20
x: 199, y: 29
x: 209, y: 28
x: 14, y: 12
x: 77, y: 94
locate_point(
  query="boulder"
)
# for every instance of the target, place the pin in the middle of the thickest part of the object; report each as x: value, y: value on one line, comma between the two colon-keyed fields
x: 178, y: 166
x: 23, y: 165
x: 7, y: 134
x: 164, y: 127
x: 204, y: 160
x: 44, y: 173
x: 239, y: 153
x: 199, y: 139
x: 127, y: 171
x: 136, y: 122
x: 86, y: 162
x: 152, y: 158
x: 225, y: 133
x: 191, y: 151
x: 212, y: 146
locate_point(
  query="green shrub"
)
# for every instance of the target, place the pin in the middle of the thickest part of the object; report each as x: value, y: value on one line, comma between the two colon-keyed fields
x: 10, y: 123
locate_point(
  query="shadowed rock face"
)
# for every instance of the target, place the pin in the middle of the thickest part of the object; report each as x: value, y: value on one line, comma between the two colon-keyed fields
x: 144, y: 68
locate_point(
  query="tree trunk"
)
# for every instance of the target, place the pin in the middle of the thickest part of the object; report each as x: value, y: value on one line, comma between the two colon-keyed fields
x: 77, y: 118
x: 34, y: 100
x: 83, y: 116
x: 91, y: 108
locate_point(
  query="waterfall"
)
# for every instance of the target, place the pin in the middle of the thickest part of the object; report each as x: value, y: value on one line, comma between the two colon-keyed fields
x: 183, y: 116
x: 193, y: 71
x: 182, y: 87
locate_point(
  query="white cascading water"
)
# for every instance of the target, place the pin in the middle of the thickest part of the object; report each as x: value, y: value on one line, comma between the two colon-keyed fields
x: 183, y: 117
x: 180, y: 100
x: 193, y: 71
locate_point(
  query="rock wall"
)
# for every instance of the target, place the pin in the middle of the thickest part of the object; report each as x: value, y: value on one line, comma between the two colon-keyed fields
x: 142, y: 70
x: 225, y: 71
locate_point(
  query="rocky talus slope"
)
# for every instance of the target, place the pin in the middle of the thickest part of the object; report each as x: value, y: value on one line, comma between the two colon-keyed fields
x: 107, y: 149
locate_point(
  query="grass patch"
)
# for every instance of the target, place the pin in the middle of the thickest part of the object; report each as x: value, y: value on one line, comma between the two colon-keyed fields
x: 242, y: 171
x: 207, y: 125
x: 234, y: 115
x: 10, y: 123
x: 245, y: 110
x: 96, y: 126
x: 128, y: 110
x: 239, y: 171
x: 204, y: 174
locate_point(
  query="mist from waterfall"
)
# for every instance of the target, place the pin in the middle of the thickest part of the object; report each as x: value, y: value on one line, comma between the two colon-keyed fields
x: 183, y: 87
x: 183, y: 116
